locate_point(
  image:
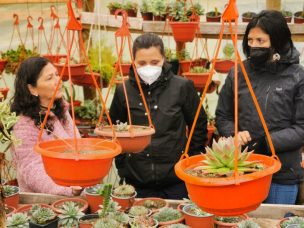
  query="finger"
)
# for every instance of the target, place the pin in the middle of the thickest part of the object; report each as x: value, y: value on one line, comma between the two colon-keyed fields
x: 243, y: 138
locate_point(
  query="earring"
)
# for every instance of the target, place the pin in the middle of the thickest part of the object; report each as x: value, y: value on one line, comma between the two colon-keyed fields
x: 276, y: 57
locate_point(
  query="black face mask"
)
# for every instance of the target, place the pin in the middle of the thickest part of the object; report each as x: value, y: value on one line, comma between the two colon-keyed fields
x: 259, y: 56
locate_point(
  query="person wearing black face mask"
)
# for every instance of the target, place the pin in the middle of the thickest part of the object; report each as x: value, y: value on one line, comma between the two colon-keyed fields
x: 277, y: 79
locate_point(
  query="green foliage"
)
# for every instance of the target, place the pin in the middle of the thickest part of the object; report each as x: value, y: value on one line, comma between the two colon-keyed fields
x: 96, y: 189
x: 199, y: 69
x: 106, y: 207
x: 248, y: 224
x: 114, y: 5
x: 183, y: 55
x: 9, y: 190
x: 177, y: 11
x: 167, y: 214
x: 143, y: 221
x: 18, y: 220
x: 170, y: 54
x: 67, y: 93
x: 214, y: 13
x: 129, y: 5
x: 228, y: 219
x: 106, y: 223
x: 102, y: 60
x: 178, y: 225
x: 138, y: 211
x: 248, y: 14
x: 89, y: 109
x: 286, y: 13
x: 124, y: 190
x: 159, y: 8
x: 197, y: 8
x: 70, y: 214
x: 146, y: 6
x: 293, y: 221
x: 228, y: 51
x: 43, y: 215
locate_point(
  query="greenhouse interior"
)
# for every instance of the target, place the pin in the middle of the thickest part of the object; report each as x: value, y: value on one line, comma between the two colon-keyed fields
x: 152, y: 113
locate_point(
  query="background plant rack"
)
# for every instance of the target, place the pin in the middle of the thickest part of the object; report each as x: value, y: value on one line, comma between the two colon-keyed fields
x: 266, y: 215
x: 207, y: 29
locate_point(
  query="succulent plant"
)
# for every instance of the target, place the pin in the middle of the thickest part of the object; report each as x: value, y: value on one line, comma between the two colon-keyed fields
x: 167, y: 214
x: 146, y: 6
x: 120, y: 217
x: 96, y: 189
x: 124, y: 190
x: 43, y: 215
x: 18, y: 220
x: 228, y: 219
x: 153, y: 204
x: 178, y: 225
x: 138, y: 211
x: 293, y: 221
x: 70, y: 214
x: 158, y: 8
x: 9, y: 190
x: 228, y: 51
x: 219, y: 160
x: 106, y: 223
x: 199, y: 69
x: 248, y: 224
x: 143, y: 222
x: 120, y: 126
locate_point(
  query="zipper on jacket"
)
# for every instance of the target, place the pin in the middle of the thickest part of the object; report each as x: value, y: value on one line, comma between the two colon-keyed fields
x: 153, y: 171
x: 266, y: 101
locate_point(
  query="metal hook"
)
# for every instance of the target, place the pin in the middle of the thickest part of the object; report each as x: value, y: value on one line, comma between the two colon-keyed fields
x: 29, y: 25
x: 53, y: 14
x: 40, y: 19
x: 16, y: 19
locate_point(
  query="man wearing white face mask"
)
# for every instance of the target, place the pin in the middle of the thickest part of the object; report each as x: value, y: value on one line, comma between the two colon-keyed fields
x: 172, y: 102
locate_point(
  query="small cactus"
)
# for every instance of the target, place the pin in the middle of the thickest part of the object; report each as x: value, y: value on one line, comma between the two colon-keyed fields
x: 138, y: 211
x: 106, y: 223
x: 124, y: 190
x: 248, y: 224
x: 167, y: 214
x: 9, y: 190
x: 18, y: 220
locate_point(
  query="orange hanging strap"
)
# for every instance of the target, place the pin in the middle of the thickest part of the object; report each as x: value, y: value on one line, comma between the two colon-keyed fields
x: 41, y: 32
x: 16, y: 27
x: 29, y: 31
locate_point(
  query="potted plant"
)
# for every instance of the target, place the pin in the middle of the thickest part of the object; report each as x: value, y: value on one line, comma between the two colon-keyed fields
x: 196, y: 9
x: 171, y: 58
x: 132, y: 138
x: 247, y: 224
x: 196, y: 217
x: 298, y: 17
x: 286, y: 222
x: 59, y: 205
x: 137, y: 210
x: 2, y: 64
x: 184, y: 60
x: 19, y: 220
x: 213, y: 16
x: 143, y: 221
x: 212, y: 178
x: 183, y: 27
x: 177, y: 225
x: 124, y: 195
x: 230, y: 221
x: 159, y: 10
x: 247, y: 16
x: 43, y: 217
x: 146, y: 10
x: 113, y: 6
x: 26, y: 209
x: 224, y: 65
x: 11, y: 195
x: 287, y: 14
x: 152, y: 203
x: 94, y: 196
x: 76, y: 103
x: 87, y: 221
x: 168, y: 215
x: 76, y: 68
x: 131, y: 8
x: 198, y: 75
x: 69, y: 215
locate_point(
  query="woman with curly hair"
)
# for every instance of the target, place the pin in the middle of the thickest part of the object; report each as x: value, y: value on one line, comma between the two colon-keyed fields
x: 35, y: 84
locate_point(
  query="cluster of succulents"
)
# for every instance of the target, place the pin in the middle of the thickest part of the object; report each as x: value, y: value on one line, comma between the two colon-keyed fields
x: 138, y: 211
x: 125, y: 190
x: 120, y: 126
x: 70, y: 214
x: 167, y: 214
x: 19, y: 220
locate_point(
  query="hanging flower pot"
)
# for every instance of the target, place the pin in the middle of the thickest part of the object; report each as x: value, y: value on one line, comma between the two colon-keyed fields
x: 55, y: 58
x: 298, y: 18
x: 82, y: 204
x: 184, y: 31
x: 222, y: 196
x: 2, y: 65
x: 69, y: 168
x: 86, y: 79
x: 4, y: 92
x: 199, y: 79
x: 76, y: 69
x: 223, y: 65
x: 226, y: 222
x: 125, y: 68
x: 196, y: 218
x: 132, y: 140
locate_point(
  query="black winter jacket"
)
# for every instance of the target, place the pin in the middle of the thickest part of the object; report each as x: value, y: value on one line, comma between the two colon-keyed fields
x: 279, y: 88
x: 172, y: 102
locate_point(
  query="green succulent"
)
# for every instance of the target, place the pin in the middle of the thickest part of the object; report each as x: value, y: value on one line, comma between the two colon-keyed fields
x: 293, y: 221
x: 121, y: 127
x: 89, y: 110
x: 199, y: 69
x: 106, y: 223
x: 96, y: 189
x: 159, y: 8
x: 18, y: 220
x: 70, y: 214
x: 229, y: 219
x: 197, y: 8
x: 228, y: 51
x: 143, y: 222
x: 43, y: 215
x: 178, y: 225
x: 124, y: 190
x: 146, y: 6
x: 167, y: 214
x: 114, y: 5
x: 177, y: 11
x: 129, y: 5
x: 183, y: 55
x: 138, y: 211
x: 9, y: 190
x: 248, y: 224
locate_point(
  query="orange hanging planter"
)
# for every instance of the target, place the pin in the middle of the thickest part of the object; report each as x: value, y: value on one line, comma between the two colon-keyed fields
x: 228, y: 196
x: 223, y: 65
x: 4, y: 92
x: 76, y: 70
x: 2, y: 65
x: 86, y: 79
x: 199, y: 79
x: 184, y: 31
x: 86, y: 168
x: 131, y: 141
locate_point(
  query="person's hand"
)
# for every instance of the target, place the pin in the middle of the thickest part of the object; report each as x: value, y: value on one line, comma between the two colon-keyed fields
x: 76, y: 190
x: 244, y: 137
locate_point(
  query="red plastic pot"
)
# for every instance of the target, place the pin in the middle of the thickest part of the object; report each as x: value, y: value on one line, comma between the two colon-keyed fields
x: 223, y: 65
x: 13, y: 200
x: 210, y: 18
x: 2, y: 65
x: 94, y: 200
x: 125, y: 67
x: 199, y: 79
x: 197, y: 221
x: 222, y: 196
x: 142, y: 201
x: 184, y: 31
x: 298, y: 19
x: 76, y: 69
x: 56, y: 205
x: 185, y: 65
x: 159, y: 18
x: 86, y: 79
x: 147, y: 16
x: 68, y: 168
x: 125, y: 202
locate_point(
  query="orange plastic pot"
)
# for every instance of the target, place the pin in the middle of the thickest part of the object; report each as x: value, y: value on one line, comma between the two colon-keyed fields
x: 9, y: 211
x: 86, y: 79
x: 2, y: 65
x: 55, y: 58
x: 68, y: 168
x: 93, y: 199
x: 223, y: 65
x: 222, y: 196
x: 197, y: 221
x: 4, y: 92
x: 160, y: 200
x: 199, y: 79
x: 87, y: 221
x: 58, y: 203
x: 125, y: 202
x: 13, y: 200
x: 184, y: 31
x: 76, y: 69
x: 185, y: 65
x: 220, y: 224
x: 131, y: 141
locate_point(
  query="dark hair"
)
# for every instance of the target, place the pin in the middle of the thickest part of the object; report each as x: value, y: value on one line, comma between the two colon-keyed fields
x: 274, y: 24
x: 27, y: 104
x: 146, y: 41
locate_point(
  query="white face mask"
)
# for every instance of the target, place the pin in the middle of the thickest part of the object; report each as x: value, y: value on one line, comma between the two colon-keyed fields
x: 149, y: 74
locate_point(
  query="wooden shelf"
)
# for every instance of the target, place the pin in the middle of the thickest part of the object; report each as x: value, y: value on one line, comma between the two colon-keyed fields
x: 207, y: 29
x: 30, y: 1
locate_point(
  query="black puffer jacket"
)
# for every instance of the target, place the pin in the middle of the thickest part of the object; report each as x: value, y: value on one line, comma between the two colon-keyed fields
x: 172, y: 101
x: 279, y: 88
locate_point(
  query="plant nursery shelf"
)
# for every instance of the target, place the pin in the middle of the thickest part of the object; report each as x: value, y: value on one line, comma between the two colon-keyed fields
x: 29, y: 1
x: 267, y: 215
x: 207, y: 29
